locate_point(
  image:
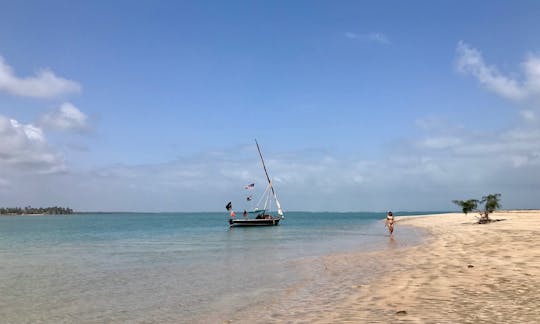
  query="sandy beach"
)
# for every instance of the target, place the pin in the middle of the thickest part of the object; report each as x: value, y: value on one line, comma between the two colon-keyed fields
x: 463, y: 273
x: 466, y: 273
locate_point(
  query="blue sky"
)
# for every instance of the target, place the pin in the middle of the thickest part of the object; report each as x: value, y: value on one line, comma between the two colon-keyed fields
x: 154, y: 105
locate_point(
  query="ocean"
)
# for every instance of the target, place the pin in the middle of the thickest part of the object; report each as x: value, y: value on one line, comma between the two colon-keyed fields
x: 166, y: 267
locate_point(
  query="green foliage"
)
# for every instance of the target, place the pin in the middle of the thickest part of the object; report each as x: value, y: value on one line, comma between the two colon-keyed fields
x: 467, y: 206
x: 29, y: 210
x: 491, y: 203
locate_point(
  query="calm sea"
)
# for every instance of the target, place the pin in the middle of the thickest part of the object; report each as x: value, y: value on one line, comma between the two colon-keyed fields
x: 162, y: 267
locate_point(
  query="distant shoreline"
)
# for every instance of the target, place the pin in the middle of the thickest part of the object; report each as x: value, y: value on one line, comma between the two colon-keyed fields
x: 17, y: 214
x: 35, y: 211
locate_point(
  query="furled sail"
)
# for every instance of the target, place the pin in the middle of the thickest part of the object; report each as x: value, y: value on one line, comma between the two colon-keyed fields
x: 279, y: 210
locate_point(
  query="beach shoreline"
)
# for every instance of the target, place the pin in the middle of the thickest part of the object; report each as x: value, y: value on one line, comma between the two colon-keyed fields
x: 439, y: 268
x: 463, y: 272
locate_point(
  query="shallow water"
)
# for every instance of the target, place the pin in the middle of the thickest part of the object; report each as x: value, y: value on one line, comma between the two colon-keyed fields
x: 167, y: 267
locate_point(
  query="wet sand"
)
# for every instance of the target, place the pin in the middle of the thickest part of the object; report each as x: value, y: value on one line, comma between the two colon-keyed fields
x: 463, y: 273
x: 468, y: 273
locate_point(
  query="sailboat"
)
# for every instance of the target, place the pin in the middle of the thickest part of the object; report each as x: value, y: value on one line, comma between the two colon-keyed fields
x: 259, y: 216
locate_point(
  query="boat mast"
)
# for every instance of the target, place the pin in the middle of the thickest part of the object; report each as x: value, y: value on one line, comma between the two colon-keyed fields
x: 280, y: 212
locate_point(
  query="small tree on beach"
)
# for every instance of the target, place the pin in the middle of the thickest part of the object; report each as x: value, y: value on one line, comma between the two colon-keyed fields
x: 467, y: 206
x: 491, y: 203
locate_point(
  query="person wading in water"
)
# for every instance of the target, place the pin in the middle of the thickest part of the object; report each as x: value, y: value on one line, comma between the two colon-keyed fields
x: 389, y: 222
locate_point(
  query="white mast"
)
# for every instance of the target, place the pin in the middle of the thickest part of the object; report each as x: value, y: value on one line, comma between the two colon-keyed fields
x: 280, y: 211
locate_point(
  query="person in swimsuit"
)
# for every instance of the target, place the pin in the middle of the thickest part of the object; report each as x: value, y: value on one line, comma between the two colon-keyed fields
x: 389, y: 222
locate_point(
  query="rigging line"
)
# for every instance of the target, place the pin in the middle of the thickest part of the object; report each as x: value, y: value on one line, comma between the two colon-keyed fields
x: 262, y: 197
x: 266, y: 201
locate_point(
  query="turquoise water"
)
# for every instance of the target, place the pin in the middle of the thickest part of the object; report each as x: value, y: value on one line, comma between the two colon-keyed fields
x: 164, y: 267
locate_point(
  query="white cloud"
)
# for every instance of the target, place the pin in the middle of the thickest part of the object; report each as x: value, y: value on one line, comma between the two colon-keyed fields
x: 379, y: 38
x: 24, y: 147
x: 528, y: 115
x: 532, y: 74
x: 470, y: 61
x: 66, y: 117
x: 442, y: 142
x: 493, y: 148
x: 45, y: 84
x: 375, y: 37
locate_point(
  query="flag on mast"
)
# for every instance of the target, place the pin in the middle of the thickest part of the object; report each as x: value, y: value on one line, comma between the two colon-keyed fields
x: 249, y: 186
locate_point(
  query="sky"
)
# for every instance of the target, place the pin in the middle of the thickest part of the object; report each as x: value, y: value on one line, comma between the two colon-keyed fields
x: 357, y: 105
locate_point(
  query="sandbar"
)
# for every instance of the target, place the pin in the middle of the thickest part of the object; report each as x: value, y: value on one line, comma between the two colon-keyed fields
x: 465, y: 273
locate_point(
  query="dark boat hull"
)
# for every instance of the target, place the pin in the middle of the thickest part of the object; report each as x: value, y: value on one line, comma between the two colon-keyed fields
x: 254, y: 222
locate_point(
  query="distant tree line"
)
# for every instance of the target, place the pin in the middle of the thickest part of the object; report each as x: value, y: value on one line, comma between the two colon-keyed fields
x: 31, y: 210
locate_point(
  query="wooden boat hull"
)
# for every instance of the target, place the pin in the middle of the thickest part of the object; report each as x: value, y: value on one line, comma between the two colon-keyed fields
x: 254, y: 222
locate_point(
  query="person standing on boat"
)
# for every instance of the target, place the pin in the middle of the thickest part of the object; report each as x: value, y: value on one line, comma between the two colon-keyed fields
x: 245, y: 214
x: 229, y: 208
x: 389, y: 222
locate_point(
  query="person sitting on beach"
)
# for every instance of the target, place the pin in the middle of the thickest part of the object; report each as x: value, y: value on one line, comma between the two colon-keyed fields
x: 389, y: 222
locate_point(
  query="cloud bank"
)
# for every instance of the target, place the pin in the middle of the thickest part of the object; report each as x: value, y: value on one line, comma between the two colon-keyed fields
x: 452, y: 165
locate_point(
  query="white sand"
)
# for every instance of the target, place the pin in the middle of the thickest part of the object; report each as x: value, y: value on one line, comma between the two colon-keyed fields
x: 468, y: 273
x: 464, y: 273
